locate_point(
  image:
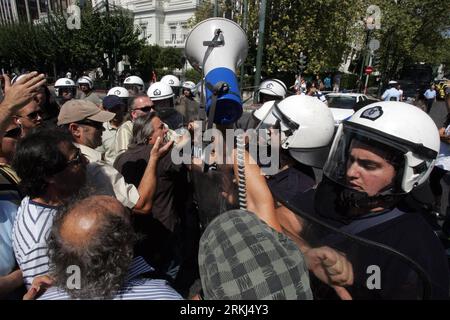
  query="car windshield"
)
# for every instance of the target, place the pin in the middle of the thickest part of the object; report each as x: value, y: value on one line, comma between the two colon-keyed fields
x: 341, y: 102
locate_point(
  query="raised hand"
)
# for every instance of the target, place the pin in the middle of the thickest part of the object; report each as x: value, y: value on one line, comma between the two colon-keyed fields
x: 23, y: 91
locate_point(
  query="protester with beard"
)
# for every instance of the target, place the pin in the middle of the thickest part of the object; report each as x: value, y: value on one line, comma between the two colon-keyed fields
x: 93, y: 228
x: 84, y: 121
x: 139, y: 106
x: 163, y: 243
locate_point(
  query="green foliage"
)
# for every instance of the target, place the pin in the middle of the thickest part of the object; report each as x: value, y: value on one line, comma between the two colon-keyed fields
x: 193, y: 75
x: 327, y: 31
x: 158, y: 59
x: 412, y: 31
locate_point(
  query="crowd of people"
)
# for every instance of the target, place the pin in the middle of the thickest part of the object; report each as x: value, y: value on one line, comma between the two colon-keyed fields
x: 92, y: 205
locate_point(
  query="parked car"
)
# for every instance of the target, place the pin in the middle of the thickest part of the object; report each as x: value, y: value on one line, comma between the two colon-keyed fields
x: 342, y: 104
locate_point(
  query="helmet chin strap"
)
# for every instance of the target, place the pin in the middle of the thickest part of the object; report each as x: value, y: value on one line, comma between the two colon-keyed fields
x: 357, y: 202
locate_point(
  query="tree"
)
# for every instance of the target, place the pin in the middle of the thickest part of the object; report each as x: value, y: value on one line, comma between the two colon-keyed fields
x: 329, y: 30
x: 411, y: 31
x: 158, y: 59
x: 53, y: 48
x: 321, y: 29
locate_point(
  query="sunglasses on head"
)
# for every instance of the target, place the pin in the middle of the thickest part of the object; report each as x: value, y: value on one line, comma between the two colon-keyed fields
x: 13, y: 133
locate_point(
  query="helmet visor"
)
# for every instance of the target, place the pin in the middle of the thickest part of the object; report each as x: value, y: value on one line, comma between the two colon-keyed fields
x: 365, y: 162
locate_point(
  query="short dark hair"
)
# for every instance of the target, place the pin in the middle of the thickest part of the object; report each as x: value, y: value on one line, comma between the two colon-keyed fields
x: 103, y: 260
x: 38, y: 157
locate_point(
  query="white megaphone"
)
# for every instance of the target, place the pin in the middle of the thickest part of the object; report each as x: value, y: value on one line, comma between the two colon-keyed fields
x: 218, y: 46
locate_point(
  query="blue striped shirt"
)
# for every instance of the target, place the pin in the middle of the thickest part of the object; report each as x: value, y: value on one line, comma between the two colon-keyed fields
x: 30, y: 234
x: 135, y: 287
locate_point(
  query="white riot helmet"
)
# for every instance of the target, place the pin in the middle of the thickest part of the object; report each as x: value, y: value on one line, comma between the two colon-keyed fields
x: 264, y: 114
x: 65, y: 83
x: 189, y: 85
x: 306, y: 126
x: 121, y: 92
x: 17, y: 78
x: 160, y: 91
x: 134, y: 83
x: 405, y: 136
x: 272, y: 87
x: 171, y: 80
x: 86, y: 80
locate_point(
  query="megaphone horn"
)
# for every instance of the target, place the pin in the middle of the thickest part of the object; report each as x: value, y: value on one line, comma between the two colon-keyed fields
x: 217, y: 47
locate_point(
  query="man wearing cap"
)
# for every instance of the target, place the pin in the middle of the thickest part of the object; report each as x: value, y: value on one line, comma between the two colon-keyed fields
x: 115, y: 105
x: 391, y: 94
x: 85, y: 121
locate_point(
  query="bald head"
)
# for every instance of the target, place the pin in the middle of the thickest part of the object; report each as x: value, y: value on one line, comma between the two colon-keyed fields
x: 83, y: 220
x: 96, y: 235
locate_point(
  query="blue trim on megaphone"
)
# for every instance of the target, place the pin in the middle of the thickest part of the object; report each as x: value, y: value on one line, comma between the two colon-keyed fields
x: 229, y: 105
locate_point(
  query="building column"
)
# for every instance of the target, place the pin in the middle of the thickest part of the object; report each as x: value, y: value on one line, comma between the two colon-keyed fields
x: 2, y: 13
x: 10, y: 10
x: 38, y: 8
x: 28, y: 11
x: 14, y: 10
x: 3, y: 21
x: 5, y: 10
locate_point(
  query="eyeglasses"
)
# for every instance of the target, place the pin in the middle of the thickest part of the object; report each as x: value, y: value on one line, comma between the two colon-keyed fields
x: 13, y: 133
x: 91, y: 123
x: 78, y: 159
x: 145, y: 109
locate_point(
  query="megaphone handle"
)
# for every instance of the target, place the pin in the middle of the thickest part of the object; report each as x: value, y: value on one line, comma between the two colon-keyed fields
x: 240, y: 150
x: 212, y: 111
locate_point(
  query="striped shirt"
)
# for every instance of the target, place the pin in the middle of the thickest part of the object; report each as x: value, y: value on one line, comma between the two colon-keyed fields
x: 136, y: 287
x: 30, y: 233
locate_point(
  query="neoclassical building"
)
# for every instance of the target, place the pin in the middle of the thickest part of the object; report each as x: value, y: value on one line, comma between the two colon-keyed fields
x: 161, y: 22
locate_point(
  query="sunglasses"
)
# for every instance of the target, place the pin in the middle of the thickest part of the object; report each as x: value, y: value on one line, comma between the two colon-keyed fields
x: 33, y: 115
x: 78, y: 159
x: 145, y: 109
x: 13, y: 133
